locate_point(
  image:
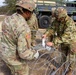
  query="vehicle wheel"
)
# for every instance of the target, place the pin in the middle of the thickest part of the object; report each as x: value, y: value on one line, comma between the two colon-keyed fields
x: 44, y: 21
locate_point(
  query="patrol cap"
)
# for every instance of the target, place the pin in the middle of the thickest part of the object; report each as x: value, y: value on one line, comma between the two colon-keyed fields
x: 26, y: 4
x: 61, y: 12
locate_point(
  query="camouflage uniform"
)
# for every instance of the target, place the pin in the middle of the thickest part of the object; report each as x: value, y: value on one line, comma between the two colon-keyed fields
x: 64, y: 34
x: 53, y: 14
x: 16, y: 38
x: 52, y: 18
x: 33, y: 24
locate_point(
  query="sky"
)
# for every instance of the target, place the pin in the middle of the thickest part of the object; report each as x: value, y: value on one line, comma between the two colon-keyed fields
x: 1, y: 2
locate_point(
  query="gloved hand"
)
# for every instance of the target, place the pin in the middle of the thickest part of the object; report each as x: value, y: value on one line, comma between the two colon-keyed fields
x: 48, y: 48
x: 36, y: 55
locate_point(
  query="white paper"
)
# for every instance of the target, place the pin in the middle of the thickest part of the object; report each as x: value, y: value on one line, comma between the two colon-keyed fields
x: 43, y: 42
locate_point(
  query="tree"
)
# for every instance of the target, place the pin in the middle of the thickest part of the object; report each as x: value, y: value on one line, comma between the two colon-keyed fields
x: 10, y: 4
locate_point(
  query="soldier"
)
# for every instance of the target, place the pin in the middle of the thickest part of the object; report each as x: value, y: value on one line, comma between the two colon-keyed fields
x: 64, y: 34
x: 52, y: 19
x: 33, y: 24
x: 16, y: 39
x: 52, y: 14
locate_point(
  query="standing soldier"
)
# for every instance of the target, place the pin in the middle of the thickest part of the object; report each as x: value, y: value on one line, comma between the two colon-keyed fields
x: 64, y: 34
x: 16, y: 39
x: 33, y: 24
x: 52, y: 19
x: 52, y: 14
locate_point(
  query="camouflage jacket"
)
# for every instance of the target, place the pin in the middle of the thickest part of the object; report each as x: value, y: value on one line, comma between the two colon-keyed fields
x: 63, y: 32
x: 16, y: 38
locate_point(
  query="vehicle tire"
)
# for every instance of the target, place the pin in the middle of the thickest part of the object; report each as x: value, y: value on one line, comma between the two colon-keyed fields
x: 44, y: 21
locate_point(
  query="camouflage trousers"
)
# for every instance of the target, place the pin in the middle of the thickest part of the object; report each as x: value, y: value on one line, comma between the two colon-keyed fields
x: 72, y: 60
x: 64, y: 49
x: 18, y: 67
x: 67, y: 55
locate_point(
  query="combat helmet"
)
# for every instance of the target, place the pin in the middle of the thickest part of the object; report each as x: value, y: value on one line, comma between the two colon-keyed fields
x: 61, y: 12
x: 26, y: 4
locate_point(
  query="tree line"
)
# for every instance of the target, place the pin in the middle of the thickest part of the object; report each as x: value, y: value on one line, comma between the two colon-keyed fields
x: 9, y: 6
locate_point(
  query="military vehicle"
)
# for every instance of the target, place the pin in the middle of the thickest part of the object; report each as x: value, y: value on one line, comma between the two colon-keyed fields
x: 43, y: 10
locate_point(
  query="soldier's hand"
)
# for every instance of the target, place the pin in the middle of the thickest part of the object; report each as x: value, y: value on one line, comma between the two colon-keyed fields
x: 36, y: 55
x: 49, y: 44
